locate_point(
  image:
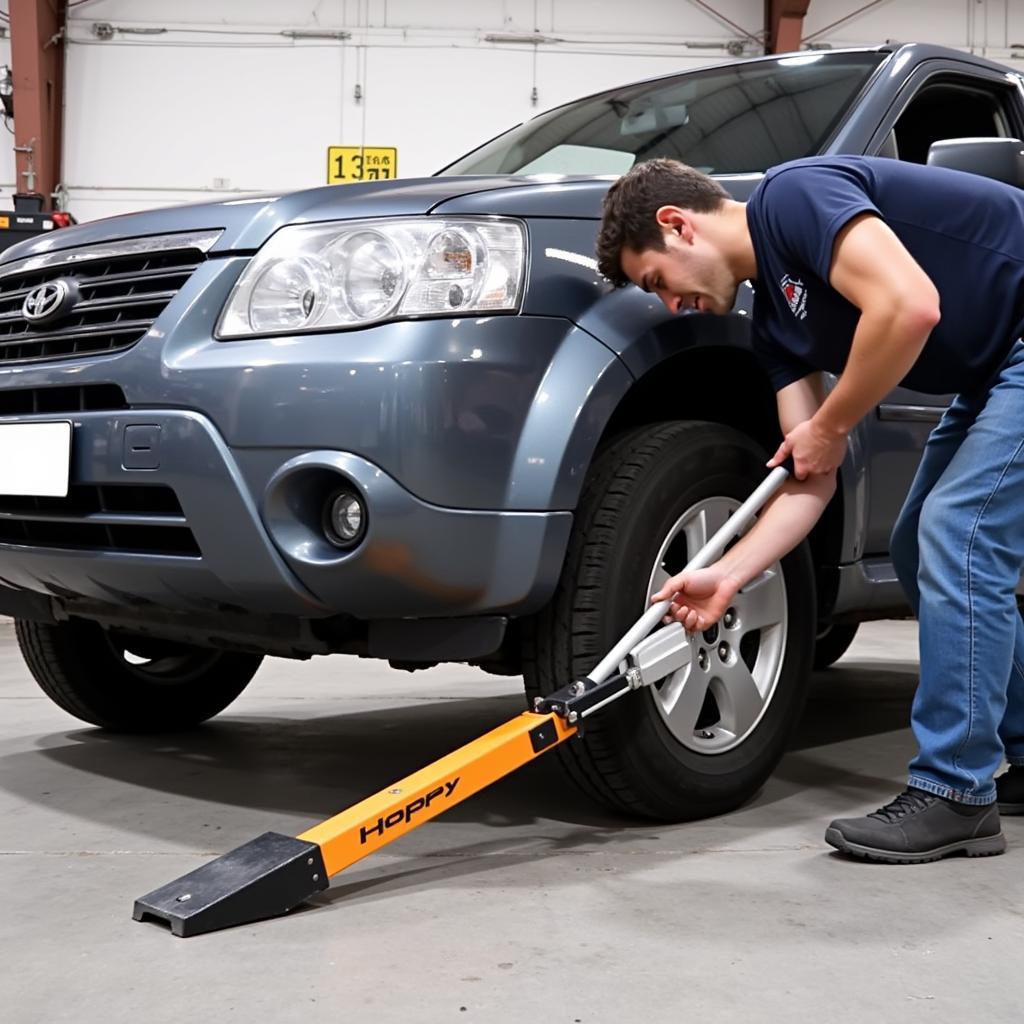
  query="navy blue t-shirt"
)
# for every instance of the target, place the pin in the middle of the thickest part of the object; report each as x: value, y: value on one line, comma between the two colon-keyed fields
x: 966, y: 232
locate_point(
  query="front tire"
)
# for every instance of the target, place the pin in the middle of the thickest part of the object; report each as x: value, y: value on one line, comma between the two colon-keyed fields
x: 651, y: 501
x: 130, y: 683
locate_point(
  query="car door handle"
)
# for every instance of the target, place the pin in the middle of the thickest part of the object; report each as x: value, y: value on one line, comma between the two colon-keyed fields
x: 911, y: 413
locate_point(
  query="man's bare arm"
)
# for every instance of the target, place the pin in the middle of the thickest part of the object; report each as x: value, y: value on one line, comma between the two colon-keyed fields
x: 798, y: 505
x: 705, y: 594
x: 899, y: 307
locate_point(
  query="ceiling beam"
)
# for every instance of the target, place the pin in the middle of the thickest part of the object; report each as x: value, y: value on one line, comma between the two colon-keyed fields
x: 784, y: 24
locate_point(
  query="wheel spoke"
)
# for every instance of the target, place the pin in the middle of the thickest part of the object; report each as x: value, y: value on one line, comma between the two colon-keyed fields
x: 682, y: 698
x: 660, y: 578
x: 739, y: 700
x: 761, y: 604
x: 703, y: 526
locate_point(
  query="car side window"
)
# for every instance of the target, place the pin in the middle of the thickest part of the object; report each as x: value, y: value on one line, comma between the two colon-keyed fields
x: 951, y: 108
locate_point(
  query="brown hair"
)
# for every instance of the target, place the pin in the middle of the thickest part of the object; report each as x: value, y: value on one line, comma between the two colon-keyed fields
x: 628, y: 213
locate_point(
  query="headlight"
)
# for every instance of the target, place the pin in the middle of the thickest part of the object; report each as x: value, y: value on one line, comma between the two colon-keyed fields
x: 315, y: 277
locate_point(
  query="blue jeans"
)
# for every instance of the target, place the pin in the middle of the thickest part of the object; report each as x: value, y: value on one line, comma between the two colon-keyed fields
x: 958, y: 548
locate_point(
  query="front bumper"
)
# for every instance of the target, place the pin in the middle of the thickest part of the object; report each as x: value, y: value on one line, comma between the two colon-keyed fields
x: 255, y: 516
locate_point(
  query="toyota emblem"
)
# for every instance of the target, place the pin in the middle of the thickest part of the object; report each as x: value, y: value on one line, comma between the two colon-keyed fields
x: 47, y: 301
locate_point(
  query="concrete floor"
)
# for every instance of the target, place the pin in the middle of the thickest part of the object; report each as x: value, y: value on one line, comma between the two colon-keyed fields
x: 523, y: 904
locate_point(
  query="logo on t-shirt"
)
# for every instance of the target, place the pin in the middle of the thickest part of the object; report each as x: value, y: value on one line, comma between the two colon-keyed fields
x: 796, y: 296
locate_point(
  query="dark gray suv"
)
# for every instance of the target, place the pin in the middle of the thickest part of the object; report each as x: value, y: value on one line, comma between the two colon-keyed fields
x: 408, y: 420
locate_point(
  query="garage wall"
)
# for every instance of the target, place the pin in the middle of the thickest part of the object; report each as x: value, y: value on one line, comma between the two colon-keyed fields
x: 986, y: 27
x: 201, y: 99
x: 223, y: 100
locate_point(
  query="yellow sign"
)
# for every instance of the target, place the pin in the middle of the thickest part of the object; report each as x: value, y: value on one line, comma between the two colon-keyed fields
x: 361, y: 163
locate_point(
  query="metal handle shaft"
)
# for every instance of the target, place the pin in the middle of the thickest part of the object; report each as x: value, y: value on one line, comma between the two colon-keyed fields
x: 736, y: 523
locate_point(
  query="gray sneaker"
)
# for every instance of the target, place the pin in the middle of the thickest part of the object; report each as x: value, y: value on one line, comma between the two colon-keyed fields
x: 1010, y: 790
x: 917, y: 827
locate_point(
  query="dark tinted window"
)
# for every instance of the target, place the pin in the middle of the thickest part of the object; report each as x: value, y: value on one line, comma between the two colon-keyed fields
x: 723, y: 121
x: 949, y: 110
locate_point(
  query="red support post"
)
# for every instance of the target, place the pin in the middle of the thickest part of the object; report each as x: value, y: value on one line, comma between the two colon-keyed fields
x: 784, y: 24
x: 37, y: 69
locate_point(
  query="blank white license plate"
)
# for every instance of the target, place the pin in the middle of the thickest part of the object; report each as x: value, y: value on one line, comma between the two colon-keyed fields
x: 35, y: 458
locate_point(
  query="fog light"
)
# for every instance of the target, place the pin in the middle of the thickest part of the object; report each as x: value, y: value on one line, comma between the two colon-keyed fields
x: 344, y: 519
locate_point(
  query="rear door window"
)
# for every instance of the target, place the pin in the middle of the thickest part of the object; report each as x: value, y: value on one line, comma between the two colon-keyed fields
x: 951, y: 107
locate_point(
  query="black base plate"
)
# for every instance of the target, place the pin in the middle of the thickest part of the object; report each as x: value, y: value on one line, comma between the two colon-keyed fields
x: 266, y: 877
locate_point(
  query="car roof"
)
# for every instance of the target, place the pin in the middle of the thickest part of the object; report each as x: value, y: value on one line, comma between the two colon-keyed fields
x: 923, y: 51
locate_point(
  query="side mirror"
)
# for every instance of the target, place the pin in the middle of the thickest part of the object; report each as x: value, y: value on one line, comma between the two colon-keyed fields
x: 1002, y: 159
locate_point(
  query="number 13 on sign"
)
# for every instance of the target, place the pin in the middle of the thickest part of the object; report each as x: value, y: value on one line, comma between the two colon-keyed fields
x: 361, y: 163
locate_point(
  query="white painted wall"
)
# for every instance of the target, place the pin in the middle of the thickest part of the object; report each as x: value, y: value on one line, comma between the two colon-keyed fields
x: 204, y: 98
x: 986, y: 27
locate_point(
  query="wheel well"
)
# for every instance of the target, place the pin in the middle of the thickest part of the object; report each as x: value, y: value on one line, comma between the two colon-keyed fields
x: 720, y: 385
x: 725, y: 384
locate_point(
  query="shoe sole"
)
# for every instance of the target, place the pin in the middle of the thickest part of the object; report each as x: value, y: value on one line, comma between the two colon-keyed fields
x: 986, y: 846
x: 1005, y: 808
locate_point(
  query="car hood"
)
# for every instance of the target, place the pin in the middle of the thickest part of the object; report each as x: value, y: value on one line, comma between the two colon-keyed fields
x: 247, y: 223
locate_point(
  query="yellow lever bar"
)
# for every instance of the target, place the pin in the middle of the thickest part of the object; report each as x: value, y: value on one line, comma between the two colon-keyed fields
x: 372, y: 823
x: 273, y: 873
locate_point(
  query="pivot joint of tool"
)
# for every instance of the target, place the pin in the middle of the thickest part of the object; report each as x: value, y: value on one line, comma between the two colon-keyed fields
x: 659, y: 655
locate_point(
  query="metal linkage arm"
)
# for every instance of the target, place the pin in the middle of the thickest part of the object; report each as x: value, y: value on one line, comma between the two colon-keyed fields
x: 655, y: 657
x: 582, y: 697
x: 650, y: 658
x: 736, y: 524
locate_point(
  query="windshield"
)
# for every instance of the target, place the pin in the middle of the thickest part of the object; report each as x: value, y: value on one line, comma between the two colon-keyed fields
x: 730, y: 120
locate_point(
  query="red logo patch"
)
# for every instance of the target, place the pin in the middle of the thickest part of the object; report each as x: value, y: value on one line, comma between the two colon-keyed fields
x: 796, y: 295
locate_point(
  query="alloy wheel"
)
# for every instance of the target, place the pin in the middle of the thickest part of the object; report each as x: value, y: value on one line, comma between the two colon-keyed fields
x: 716, y: 701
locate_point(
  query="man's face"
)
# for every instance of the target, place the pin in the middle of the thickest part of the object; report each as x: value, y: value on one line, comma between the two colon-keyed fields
x: 691, y: 273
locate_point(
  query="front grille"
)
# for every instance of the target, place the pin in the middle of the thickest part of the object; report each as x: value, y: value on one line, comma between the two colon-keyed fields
x: 77, y: 398
x: 122, y: 288
x: 140, y: 519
